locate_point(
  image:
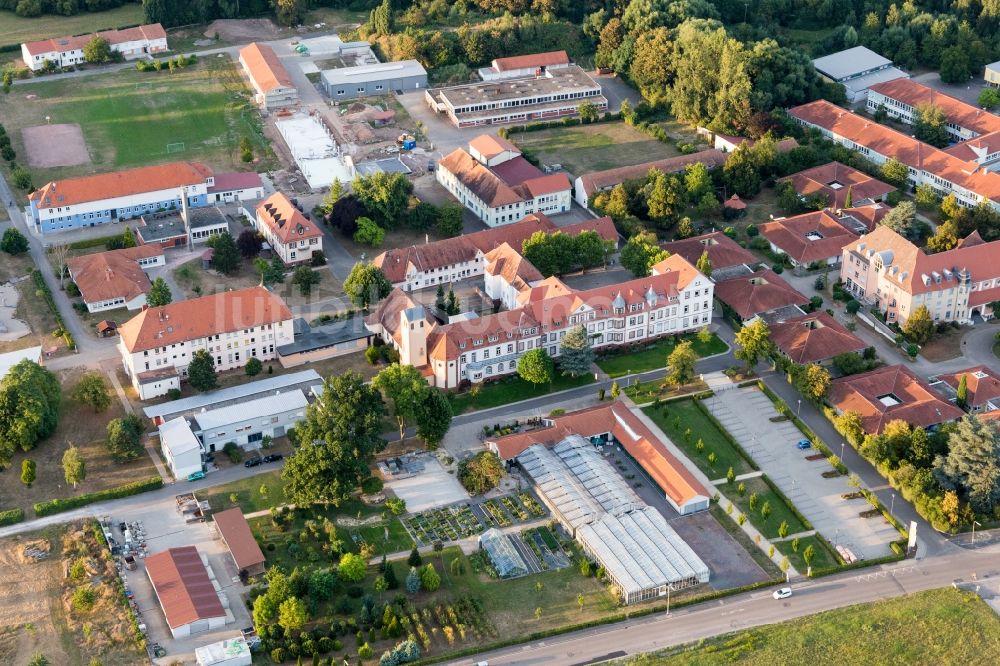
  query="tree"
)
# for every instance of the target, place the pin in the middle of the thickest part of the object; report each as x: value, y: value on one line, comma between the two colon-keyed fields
x: 201, y: 371
x: 919, y: 326
x: 430, y: 580
x: 665, y: 198
x: 413, y: 581
x: 754, y: 342
x: 551, y: 254
x: 895, y: 172
x: 384, y: 195
x: 480, y: 473
x: 97, y: 50
x: 576, y: 355
x: 253, y: 366
x: 28, y: 473
x: 13, y: 241
x: 250, y: 243
x: 641, y: 252
x: 433, y: 416
x: 74, y: 469
x: 681, y: 364
x: 588, y: 112
x: 930, y: 125
x: 741, y: 172
x: 989, y: 97
x: 305, y: 278
x: 30, y: 397
x: 366, y: 284
x: 814, y: 381
x: 368, y: 233
x: 21, y: 178
x: 704, y: 264
x: 289, y: 12
x: 414, y: 560
x: 92, y: 391
x: 962, y: 394
x: 344, y: 214
x: 335, y: 442
x: 926, y: 197
x: 225, y: 254
x: 292, y: 613
x: 954, y: 65
x: 380, y: 18
x: 159, y: 294
x: 536, y: 367
x: 900, y: 219
x: 352, y: 568
x: 972, y: 465
x: 404, y: 387
x: 449, y: 221
x: 945, y: 238
x: 125, y: 438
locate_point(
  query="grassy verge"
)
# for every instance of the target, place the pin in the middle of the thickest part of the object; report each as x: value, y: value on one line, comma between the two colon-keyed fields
x: 822, y: 558
x: 779, y: 510
x: 735, y: 531
x: 685, y: 424
x: 643, y: 392
x: 654, y: 356
x: 247, y: 491
x: 511, y: 389
x: 943, y: 626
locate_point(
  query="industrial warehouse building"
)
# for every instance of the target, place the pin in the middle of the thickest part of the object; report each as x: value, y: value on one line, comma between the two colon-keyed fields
x: 234, y: 529
x: 190, y: 596
x: 373, y: 80
x: 640, y: 553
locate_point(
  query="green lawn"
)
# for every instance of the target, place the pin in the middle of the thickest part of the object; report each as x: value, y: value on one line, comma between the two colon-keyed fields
x: 247, y: 491
x: 510, y: 390
x: 822, y: 556
x: 943, y: 626
x: 654, y: 356
x: 643, y: 392
x: 677, y: 417
x: 780, y: 512
x: 129, y: 118
x: 15, y: 29
x: 585, y: 148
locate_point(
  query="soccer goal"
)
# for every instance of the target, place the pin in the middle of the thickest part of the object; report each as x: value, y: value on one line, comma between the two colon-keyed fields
x: 175, y: 147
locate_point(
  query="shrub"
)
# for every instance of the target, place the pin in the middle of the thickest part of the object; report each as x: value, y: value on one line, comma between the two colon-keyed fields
x: 396, y: 505
x: 11, y: 516
x: 278, y: 655
x: 83, y: 599
x: 234, y: 452
x: 371, y: 485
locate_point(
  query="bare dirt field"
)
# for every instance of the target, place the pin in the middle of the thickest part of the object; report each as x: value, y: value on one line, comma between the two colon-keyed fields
x: 55, y: 145
x: 243, y: 30
x: 36, y: 614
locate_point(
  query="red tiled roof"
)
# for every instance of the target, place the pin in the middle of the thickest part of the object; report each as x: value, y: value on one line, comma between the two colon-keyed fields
x: 723, y: 251
x: 813, y: 338
x: 388, y: 311
x: 201, y: 317
x: 835, y: 180
x: 72, y: 191
x: 284, y: 220
x: 982, y: 382
x: 757, y: 293
x: 491, y: 145
x: 902, y: 147
x: 869, y: 214
x: 616, y: 418
x: 264, y: 67
x: 812, y: 236
x: 888, y: 394
x: 150, y: 32
x: 955, y: 110
x: 105, y: 276
x: 977, y: 148
x: 508, y: 263
x: 183, y: 587
x: 509, y: 182
x: 603, y: 180
x: 235, y: 531
x: 235, y: 180
x: 532, y: 60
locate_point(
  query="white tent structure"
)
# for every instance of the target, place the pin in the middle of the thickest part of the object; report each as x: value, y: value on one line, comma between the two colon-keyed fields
x: 638, y: 550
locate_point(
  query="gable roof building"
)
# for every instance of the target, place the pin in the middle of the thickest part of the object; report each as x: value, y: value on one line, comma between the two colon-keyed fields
x: 235, y: 531
x: 141, y: 41
x: 808, y: 238
x: 589, y: 184
x: 982, y: 385
x: 185, y: 591
x: 813, y: 338
x: 888, y: 394
x: 902, y: 97
x: 758, y: 293
x: 291, y: 236
x: 857, y: 69
x: 273, y: 87
x: 722, y: 250
x: 116, y: 278
x: 835, y: 181
x: 524, y: 65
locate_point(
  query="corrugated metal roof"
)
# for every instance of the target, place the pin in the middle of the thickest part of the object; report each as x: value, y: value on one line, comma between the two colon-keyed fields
x: 261, y: 407
x: 250, y: 389
x: 183, y: 587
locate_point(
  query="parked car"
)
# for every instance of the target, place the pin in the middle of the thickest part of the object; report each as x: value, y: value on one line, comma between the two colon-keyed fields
x: 194, y: 476
x: 783, y: 593
x: 253, y: 462
x: 273, y: 457
x: 804, y: 444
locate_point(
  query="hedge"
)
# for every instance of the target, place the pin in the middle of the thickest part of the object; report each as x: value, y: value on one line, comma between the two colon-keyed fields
x: 569, y: 121
x: 42, y: 286
x: 11, y: 516
x: 59, y: 505
x: 725, y: 433
x: 88, y: 243
x: 860, y: 564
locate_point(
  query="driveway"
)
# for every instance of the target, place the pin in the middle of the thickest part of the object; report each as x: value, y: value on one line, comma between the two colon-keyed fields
x: 746, y: 413
x: 967, y: 92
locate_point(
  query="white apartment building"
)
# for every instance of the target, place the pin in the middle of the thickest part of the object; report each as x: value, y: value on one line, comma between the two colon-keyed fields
x: 291, y: 236
x: 158, y: 344
x: 132, y: 43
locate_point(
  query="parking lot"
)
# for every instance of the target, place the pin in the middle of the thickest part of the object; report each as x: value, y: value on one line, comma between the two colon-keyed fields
x: 746, y: 413
x: 166, y: 528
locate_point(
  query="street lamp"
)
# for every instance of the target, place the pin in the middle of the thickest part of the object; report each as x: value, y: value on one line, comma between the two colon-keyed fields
x: 892, y: 503
x: 798, y: 409
x: 974, y: 523
x: 842, y: 445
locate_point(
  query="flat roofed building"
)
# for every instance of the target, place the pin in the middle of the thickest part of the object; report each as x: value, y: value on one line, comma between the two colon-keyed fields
x: 857, y: 69
x: 318, y: 343
x: 992, y: 74
x: 116, y: 278
x: 235, y: 531
x: 291, y: 236
x: 553, y: 94
x: 181, y: 448
x: 186, y: 592
x: 273, y: 87
x: 88, y: 201
x: 383, y: 78
x: 230, y: 652
x: 171, y: 229
x: 141, y: 41
x: 248, y: 422
x: 10, y: 359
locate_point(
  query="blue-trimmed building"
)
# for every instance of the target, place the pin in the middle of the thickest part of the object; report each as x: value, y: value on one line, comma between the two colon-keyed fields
x: 106, y: 198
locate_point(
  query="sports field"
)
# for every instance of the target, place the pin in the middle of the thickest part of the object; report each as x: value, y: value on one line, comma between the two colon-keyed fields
x: 130, y: 118
x: 16, y: 29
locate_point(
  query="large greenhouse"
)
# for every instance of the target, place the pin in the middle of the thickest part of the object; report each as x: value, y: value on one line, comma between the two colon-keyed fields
x: 640, y: 553
x: 505, y: 558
